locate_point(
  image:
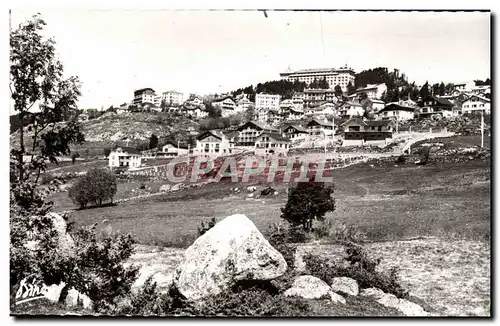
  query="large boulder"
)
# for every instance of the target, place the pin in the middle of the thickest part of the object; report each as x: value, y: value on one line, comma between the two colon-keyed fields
x: 345, y: 285
x: 233, y: 250
x: 311, y: 287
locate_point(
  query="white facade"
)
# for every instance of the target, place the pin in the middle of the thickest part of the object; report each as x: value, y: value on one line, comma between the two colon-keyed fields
x: 124, y: 157
x: 173, y: 98
x: 476, y: 104
x: 464, y: 86
x: 227, y: 106
x: 400, y: 115
x: 213, y: 143
x: 374, y: 91
x: 173, y: 150
x: 334, y: 77
x: 352, y: 109
x: 267, y: 101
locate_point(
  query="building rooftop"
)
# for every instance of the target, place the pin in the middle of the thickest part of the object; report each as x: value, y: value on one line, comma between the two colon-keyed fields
x: 129, y: 150
x: 275, y: 136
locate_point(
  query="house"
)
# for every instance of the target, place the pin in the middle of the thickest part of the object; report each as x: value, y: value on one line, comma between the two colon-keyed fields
x: 171, y: 149
x: 464, y: 86
x: 372, y: 91
x: 295, y: 132
x: 267, y: 101
x: 436, y: 106
x: 272, y: 142
x: 213, y: 143
x: 285, y: 105
x: 262, y: 115
x: 476, y: 103
x: 398, y: 112
x: 243, y: 104
x: 478, y: 90
x: 294, y: 114
x: 327, y: 109
x: 358, y: 131
x: 314, y: 97
x: 146, y: 95
x: 274, y: 117
x: 173, y: 98
x: 248, y: 133
x: 226, y: 105
x: 194, y: 111
x: 351, y: 109
x: 318, y: 127
x: 376, y: 105
x: 124, y: 157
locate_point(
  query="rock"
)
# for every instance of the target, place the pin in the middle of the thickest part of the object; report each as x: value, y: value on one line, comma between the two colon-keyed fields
x: 66, y: 244
x: 165, y: 188
x: 308, y: 287
x: 53, y: 292
x: 233, y: 250
x: 389, y: 300
x: 176, y: 187
x: 251, y: 188
x: 76, y: 299
x: 250, y: 195
x: 410, y: 308
x: 345, y: 285
x: 336, y: 298
x: 276, y: 193
x: 372, y: 292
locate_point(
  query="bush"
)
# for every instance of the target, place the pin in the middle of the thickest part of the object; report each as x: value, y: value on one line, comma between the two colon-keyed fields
x: 74, y: 156
x: 47, y: 178
x: 308, y: 201
x: 360, y: 268
x: 101, y: 274
x: 203, y: 228
x: 95, y: 187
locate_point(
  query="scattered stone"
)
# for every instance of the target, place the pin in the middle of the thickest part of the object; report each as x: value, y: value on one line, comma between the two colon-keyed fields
x: 176, y: 187
x: 165, y: 188
x: 276, y: 193
x: 336, y: 298
x: 77, y: 299
x: 389, y: 300
x: 372, y: 292
x: 250, y: 195
x: 251, y: 188
x: 233, y: 250
x: 345, y: 285
x: 309, y: 287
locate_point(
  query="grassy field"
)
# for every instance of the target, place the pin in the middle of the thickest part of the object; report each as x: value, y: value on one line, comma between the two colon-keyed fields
x: 385, y: 202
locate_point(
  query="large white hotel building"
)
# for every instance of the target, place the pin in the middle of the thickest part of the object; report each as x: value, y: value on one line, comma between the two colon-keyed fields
x: 334, y: 77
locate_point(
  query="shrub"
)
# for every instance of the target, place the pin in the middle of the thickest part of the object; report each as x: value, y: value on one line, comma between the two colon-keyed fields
x: 101, y: 274
x: 401, y: 159
x: 106, y: 151
x: 95, y: 187
x: 203, y: 228
x: 360, y: 268
x: 74, y: 156
x: 46, y: 178
x: 308, y: 201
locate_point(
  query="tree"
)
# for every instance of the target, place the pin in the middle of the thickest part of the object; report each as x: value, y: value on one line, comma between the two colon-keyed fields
x: 306, y: 202
x: 106, y: 151
x: 424, y: 91
x: 351, y: 89
x: 323, y: 83
x: 442, y: 89
x: 36, y: 80
x: 153, y: 141
x: 338, y: 91
x: 250, y: 113
x: 74, y: 156
x: 96, y: 186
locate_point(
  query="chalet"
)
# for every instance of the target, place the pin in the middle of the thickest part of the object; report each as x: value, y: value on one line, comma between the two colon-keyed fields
x: 194, y: 111
x: 476, y: 103
x: 171, y: 149
x: 351, y: 109
x: 295, y: 132
x: 294, y: 114
x: 213, y: 143
x: 124, y: 157
x: 243, y: 104
x: 358, y: 131
x: 248, y: 133
x: 328, y: 108
x: 374, y: 91
x: 436, y: 106
x: 376, y: 105
x: 317, y: 127
x: 464, y: 86
x: 313, y: 97
x: 397, y: 112
x: 226, y: 105
x: 274, y: 117
x: 481, y: 90
x: 272, y: 142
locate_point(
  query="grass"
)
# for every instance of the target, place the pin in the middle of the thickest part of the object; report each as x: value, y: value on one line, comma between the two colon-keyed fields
x: 446, y: 200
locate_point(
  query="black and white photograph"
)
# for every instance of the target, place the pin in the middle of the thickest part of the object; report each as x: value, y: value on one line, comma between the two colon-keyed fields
x: 250, y: 163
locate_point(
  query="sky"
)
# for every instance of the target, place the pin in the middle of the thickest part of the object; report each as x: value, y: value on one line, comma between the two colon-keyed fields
x: 114, y: 52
